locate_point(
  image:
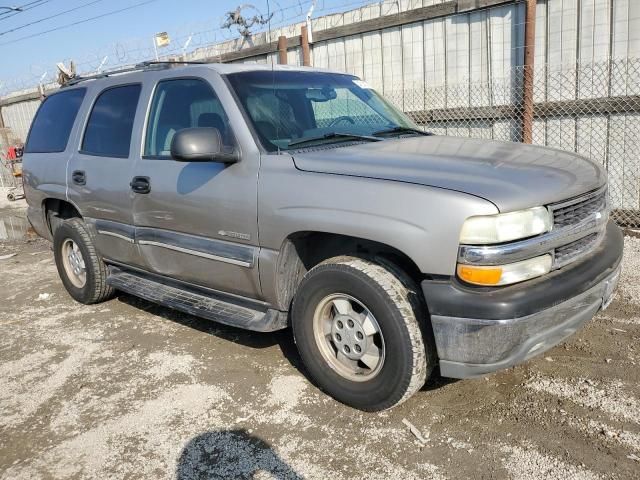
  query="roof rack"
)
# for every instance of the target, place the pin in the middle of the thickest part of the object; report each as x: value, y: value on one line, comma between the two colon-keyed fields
x: 150, y: 65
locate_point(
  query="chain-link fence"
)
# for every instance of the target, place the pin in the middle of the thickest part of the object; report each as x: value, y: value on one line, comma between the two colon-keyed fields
x: 590, y: 109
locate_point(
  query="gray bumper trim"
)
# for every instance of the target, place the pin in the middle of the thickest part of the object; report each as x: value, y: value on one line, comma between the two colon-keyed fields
x: 473, y: 347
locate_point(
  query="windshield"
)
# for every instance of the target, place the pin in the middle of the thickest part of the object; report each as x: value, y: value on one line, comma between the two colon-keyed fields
x: 288, y: 108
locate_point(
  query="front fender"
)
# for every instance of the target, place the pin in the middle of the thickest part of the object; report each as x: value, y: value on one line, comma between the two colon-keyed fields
x: 422, y: 222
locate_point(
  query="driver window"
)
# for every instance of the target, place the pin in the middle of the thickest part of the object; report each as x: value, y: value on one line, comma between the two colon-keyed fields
x: 179, y: 104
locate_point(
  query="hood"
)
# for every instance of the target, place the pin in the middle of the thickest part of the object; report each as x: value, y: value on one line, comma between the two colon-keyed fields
x: 513, y: 176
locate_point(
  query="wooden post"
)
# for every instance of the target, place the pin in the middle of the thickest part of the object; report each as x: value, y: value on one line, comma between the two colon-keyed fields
x: 1, y: 119
x: 282, y: 50
x: 529, y: 60
x: 304, y: 43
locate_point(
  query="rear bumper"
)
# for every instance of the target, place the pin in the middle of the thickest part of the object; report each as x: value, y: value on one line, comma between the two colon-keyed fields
x: 478, y: 331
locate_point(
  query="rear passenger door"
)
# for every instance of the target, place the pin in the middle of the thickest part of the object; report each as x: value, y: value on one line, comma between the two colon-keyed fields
x: 198, y: 220
x: 98, y: 175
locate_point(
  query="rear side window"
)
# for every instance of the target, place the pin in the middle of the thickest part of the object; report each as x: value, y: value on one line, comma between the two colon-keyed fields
x: 53, y: 122
x: 108, y: 131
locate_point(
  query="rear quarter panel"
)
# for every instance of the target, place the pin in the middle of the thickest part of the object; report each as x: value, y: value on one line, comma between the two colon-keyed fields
x: 44, y: 176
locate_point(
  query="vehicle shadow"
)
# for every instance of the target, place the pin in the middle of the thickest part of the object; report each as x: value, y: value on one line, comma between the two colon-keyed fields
x: 282, y: 338
x: 231, y: 454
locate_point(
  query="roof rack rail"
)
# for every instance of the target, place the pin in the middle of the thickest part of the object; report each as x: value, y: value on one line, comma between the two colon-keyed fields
x: 140, y: 67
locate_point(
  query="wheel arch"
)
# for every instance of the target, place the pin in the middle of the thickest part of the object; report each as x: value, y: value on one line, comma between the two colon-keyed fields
x: 56, y: 210
x: 300, y: 251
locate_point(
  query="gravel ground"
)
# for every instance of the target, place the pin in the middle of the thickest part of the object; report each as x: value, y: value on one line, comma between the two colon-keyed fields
x: 128, y: 389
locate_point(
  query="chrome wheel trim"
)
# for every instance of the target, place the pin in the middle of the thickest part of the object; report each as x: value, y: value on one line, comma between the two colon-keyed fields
x: 348, y: 337
x: 73, y: 263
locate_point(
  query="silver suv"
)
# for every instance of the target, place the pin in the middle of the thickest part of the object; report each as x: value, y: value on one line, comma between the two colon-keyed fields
x: 265, y: 197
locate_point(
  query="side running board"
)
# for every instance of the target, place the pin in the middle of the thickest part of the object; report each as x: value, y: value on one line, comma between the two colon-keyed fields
x: 195, y: 301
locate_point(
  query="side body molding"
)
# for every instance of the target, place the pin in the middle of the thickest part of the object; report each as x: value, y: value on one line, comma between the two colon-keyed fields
x: 228, y: 252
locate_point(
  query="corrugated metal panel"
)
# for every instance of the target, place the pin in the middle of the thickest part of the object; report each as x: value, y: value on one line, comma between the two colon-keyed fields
x: 18, y: 117
x: 370, y: 11
x: 413, y: 65
x: 479, y: 59
x: 457, y: 60
x: 410, y: 4
x: 506, y: 130
x: 540, y: 59
x: 336, y: 54
x: 505, y: 51
x: 482, y: 129
x: 435, y: 63
x: 354, y: 57
x: 458, y: 129
x: 594, y: 36
x: 539, y: 132
x: 562, y: 48
x: 624, y: 173
x: 626, y: 44
x: 372, y: 44
x: 389, y: 7
x: 320, y: 58
x: 294, y: 56
x: 588, y: 144
x: 392, y: 58
x: 561, y: 133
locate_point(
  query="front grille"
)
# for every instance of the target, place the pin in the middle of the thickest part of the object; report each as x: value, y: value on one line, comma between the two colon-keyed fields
x: 571, y: 213
x: 571, y: 251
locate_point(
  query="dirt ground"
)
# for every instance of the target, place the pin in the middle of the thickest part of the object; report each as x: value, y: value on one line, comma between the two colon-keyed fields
x: 128, y: 389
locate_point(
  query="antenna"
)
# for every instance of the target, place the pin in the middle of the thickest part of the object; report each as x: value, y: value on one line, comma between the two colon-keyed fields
x: 104, y: 60
x: 186, y: 45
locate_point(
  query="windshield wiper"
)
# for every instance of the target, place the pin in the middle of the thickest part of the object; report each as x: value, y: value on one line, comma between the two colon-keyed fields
x: 400, y: 130
x: 333, y: 136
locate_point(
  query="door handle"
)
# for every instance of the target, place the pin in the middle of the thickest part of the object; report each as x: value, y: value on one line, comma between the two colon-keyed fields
x: 78, y: 177
x: 140, y: 185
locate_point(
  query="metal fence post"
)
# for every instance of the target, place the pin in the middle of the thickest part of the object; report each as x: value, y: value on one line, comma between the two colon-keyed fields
x: 282, y: 50
x: 304, y: 43
x: 529, y: 60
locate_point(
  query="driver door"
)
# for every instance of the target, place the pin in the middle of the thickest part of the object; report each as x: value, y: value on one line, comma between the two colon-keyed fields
x: 197, y: 221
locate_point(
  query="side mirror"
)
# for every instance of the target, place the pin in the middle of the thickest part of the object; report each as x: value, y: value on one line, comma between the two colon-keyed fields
x: 200, y: 144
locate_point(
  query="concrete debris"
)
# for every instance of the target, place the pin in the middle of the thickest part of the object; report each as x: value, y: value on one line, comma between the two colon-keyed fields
x: 416, y: 432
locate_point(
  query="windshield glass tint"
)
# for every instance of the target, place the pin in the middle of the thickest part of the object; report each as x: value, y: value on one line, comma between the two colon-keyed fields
x: 285, y: 107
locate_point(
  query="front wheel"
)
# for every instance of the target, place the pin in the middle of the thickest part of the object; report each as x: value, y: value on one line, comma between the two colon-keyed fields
x: 356, y: 323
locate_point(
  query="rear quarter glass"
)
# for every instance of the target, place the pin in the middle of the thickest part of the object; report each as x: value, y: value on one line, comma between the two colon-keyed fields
x: 53, y: 123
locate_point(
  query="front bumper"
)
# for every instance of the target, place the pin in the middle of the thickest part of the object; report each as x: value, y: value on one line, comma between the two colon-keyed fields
x: 481, y: 330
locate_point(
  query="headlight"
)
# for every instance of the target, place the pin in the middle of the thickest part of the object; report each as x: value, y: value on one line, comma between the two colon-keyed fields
x: 505, y: 227
x: 505, y: 274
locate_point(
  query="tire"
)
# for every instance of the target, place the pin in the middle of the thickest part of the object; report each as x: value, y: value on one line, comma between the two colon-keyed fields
x: 94, y: 289
x: 404, y: 343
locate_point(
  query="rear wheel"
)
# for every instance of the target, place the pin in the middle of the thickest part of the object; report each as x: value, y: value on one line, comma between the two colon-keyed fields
x: 81, y: 270
x: 356, y: 323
